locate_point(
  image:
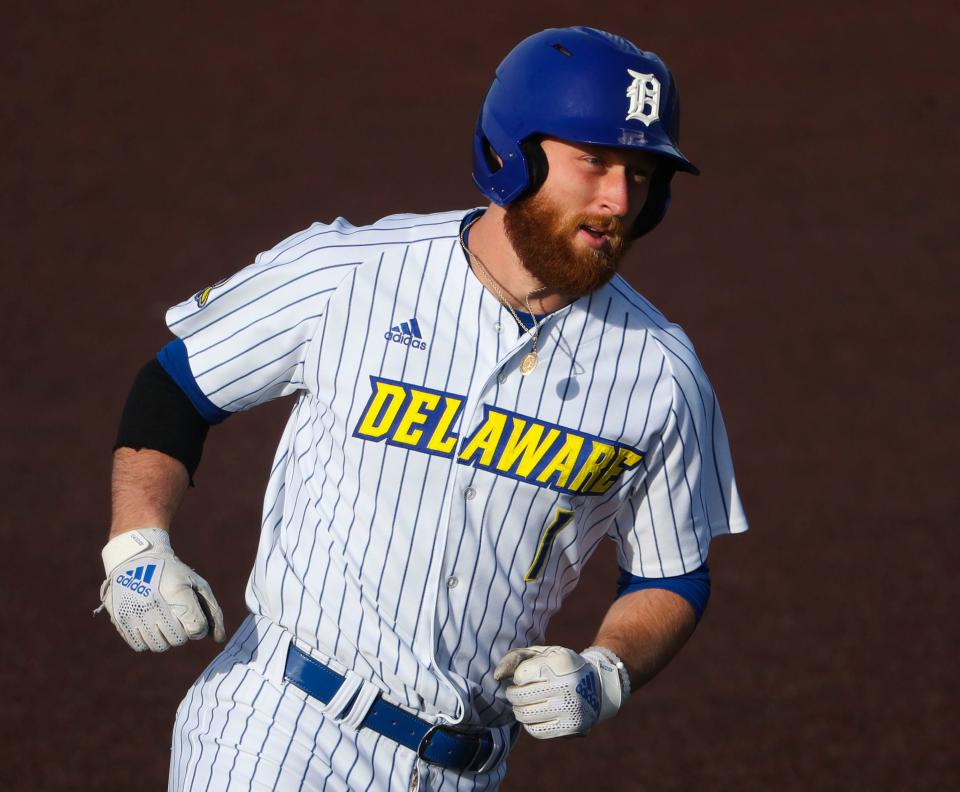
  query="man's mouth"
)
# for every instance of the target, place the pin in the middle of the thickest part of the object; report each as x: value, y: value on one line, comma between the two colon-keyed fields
x: 595, y: 236
x: 594, y: 230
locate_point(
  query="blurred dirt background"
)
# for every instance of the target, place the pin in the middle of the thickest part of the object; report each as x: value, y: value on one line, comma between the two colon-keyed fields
x: 150, y: 149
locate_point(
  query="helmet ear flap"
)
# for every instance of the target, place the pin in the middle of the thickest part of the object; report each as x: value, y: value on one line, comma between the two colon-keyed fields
x: 499, y: 162
x: 658, y: 199
x: 489, y: 155
x: 536, y: 160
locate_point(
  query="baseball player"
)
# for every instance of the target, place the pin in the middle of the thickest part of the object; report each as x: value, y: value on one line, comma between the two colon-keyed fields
x: 480, y: 401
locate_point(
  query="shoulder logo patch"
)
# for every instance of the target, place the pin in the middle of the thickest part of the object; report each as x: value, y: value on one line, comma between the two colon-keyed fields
x: 202, y: 297
x: 644, y: 95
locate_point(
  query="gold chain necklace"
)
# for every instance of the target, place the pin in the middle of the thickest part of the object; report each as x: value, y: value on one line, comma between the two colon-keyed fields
x: 529, y: 362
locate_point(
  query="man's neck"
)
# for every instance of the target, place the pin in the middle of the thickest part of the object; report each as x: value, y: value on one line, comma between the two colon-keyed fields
x: 489, y: 243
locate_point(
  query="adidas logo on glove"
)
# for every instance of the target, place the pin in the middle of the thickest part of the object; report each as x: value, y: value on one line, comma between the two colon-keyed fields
x: 137, y: 580
x: 589, y: 691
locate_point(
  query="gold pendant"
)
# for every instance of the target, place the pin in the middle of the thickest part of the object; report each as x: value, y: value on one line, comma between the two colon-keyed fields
x: 529, y: 363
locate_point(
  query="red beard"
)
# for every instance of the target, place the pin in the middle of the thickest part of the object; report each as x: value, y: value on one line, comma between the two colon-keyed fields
x: 543, y: 238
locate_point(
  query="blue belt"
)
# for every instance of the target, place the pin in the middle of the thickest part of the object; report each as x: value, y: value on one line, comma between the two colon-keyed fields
x: 433, y: 743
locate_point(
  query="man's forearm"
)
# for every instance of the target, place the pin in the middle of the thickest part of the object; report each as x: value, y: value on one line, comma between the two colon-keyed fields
x: 147, y: 487
x: 646, y: 629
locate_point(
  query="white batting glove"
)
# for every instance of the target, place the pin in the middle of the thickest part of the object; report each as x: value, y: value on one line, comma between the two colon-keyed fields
x: 559, y: 693
x: 155, y: 600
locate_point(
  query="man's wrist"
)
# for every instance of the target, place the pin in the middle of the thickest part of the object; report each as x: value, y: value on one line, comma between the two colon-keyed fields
x: 128, y: 544
x: 613, y: 672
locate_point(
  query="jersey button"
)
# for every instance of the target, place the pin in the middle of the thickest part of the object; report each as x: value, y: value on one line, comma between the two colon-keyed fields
x: 469, y: 493
x: 498, y: 327
x: 502, y: 378
x: 452, y: 582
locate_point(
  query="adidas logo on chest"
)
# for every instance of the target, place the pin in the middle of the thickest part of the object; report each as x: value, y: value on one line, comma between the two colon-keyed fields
x: 406, y: 333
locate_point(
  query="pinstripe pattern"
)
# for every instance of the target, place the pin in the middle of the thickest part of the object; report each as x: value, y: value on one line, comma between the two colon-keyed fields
x: 408, y: 567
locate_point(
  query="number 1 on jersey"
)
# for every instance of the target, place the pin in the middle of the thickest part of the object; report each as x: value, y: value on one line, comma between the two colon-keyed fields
x: 560, y: 521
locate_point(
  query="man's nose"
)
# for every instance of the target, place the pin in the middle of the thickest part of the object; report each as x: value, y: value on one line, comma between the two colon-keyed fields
x: 615, y: 196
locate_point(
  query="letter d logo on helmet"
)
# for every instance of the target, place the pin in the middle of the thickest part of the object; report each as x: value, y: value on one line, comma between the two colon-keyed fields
x: 585, y: 86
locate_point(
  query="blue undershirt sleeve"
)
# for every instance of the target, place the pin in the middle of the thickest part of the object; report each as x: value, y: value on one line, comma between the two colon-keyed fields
x: 174, y: 359
x: 694, y: 586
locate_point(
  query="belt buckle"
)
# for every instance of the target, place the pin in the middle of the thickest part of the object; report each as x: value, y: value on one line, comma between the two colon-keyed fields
x: 425, y: 742
x: 473, y: 766
x: 470, y: 766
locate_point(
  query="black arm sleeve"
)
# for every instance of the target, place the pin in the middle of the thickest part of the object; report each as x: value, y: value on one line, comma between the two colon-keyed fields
x: 158, y: 415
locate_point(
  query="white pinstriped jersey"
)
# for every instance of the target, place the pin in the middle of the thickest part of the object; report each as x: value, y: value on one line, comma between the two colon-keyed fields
x: 429, y: 507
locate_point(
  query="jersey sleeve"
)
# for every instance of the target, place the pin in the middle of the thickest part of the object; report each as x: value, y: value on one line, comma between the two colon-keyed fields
x: 687, y: 493
x: 245, y: 339
x: 694, y: 586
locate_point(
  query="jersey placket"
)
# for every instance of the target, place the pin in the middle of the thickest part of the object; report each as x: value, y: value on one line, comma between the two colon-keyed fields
x: 466, y: 501
x: 444, y: 581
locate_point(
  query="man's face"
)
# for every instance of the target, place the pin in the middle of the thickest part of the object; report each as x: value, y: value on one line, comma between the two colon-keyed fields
x: 572, y: 233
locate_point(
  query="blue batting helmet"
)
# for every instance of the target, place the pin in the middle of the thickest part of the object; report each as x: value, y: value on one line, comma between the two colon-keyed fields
x: 586, y: 86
